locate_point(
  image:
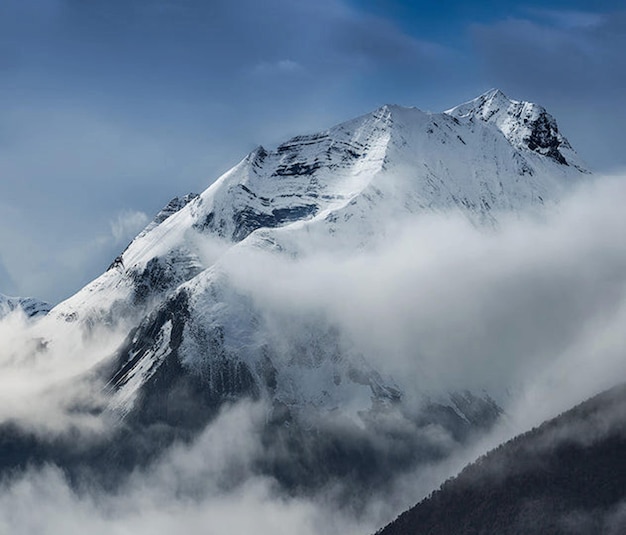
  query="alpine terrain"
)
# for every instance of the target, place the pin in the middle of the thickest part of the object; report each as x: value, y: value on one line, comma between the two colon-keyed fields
x: 30, y: 306
x: 187, y: 336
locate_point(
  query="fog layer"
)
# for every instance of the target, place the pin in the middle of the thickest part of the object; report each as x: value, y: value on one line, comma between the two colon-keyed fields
x: 531, y: 313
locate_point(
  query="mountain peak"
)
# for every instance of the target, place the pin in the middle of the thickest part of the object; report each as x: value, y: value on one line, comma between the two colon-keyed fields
x: 495, y: 94
x: 485, y: 105
x: 197, y: 336
x: 527, y: 126
x: 491, y: 100
x: 485, y: 157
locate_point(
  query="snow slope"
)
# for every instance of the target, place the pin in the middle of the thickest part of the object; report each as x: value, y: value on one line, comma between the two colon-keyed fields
x: 28, y: 305
x: 172, y: 289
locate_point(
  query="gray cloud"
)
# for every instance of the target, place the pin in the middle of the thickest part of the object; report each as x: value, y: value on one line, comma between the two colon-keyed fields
x: 570, y: 18
x: 439, y: 301
x: 46, y: 374
x: 283, y: 66
x: 537, y: 305
x: 190, y: 488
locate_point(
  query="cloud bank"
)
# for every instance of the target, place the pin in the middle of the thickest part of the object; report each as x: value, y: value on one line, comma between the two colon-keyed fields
x: 532, y: 311
x: 441, y: 303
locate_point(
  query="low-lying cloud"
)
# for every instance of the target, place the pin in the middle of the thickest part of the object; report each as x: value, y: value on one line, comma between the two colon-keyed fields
x: 46, y: 384
x: 443, y: 305
x: 191, y: 489
x: 531, y: 313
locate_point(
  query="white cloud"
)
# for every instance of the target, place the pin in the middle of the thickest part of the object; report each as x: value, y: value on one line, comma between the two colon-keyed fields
x: 127, y: 225
x: 440, y: 304
x: 45, y: 374
x: 186, y: 490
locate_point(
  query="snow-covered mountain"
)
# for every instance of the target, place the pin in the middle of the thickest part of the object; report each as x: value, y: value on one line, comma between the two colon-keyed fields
x: 196, y: 340
x: 487, y: 156
x: 30, y: 306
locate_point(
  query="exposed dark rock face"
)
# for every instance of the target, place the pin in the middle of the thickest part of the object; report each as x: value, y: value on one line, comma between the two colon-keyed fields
x: 30, y: 306
x: 248, y: 220
x: 466, y: 415
x: 544, y: 138
x: 174, y: 395
x: 176, y: 204
x: 160, y: 276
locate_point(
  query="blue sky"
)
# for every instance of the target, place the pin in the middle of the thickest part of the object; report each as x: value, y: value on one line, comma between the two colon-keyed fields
x: 110, y: 108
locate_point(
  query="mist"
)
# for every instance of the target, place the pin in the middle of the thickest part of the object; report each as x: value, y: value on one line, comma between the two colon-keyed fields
x: 206, y: 487
x: 531, y: 313
x: 438, y: 302
x: 47, y: 384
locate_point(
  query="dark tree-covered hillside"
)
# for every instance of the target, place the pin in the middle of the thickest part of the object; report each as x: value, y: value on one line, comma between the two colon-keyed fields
x: 567, y: 476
